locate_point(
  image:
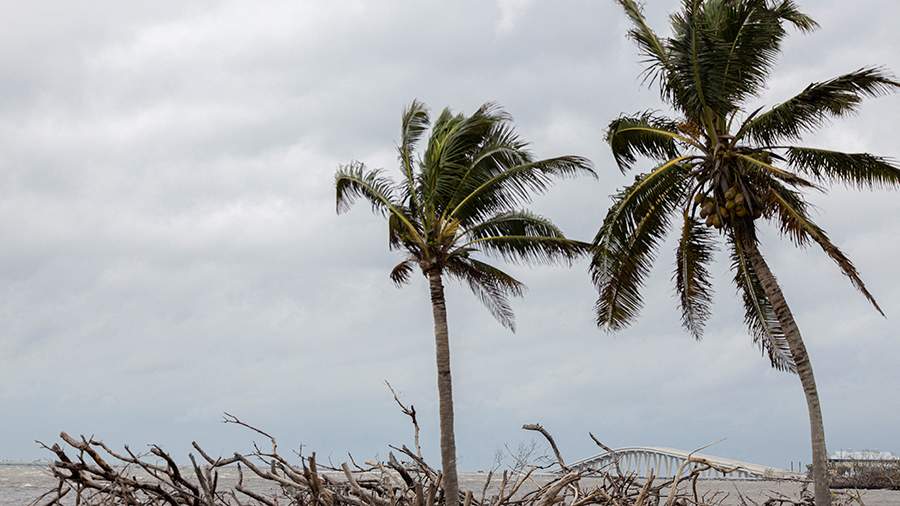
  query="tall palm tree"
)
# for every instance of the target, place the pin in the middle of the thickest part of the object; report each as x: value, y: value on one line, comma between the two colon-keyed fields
x: 723, y: 170
x: 458, y: 201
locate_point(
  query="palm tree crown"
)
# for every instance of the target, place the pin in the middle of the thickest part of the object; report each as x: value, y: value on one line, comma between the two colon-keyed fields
x: 724, y: 168
x: 461, y: 199
x: 458, y: 200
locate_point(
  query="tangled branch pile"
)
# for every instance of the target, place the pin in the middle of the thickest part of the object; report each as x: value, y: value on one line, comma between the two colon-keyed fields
x: 97, y: 475
x: 90, y: 473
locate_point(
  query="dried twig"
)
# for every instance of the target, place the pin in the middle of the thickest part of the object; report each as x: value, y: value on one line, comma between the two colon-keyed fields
x: 539, y: 428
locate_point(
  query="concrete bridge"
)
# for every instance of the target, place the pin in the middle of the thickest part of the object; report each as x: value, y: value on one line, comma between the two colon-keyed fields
x: 664, y: 463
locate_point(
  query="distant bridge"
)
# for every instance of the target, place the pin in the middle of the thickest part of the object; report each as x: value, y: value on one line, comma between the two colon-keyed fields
x: 664, y: 463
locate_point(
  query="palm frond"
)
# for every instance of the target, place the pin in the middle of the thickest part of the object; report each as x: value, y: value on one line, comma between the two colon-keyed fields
x: 414, y: 124
x: 399, y: 235
x: 652, y: 47
x: 491, y: 285
x: 688, y: 53
x: 516, y: 185
x: 645, y: 134
x: 759, y: 315
x: 722, y: 52
x: 532, y: 249
x: 500, y: 149
x: 354, y: 181
x: 431, y: 168
x: 401, y: 272
x: 817, y: 103
x: 692, y: 279
x: 860, y: 170
x: 788, y: 11
x: 767, y: 169
x: 515, y: 223
x: 794, y: 222
x: 627, y: 241
x: 451, y: 151
x: 744, y: 40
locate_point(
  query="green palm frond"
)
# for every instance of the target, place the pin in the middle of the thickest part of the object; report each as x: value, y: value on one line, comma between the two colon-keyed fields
x: 646, y: 134
x: 500, y: 149
x: 742, y: 40
x: 794, y: 222
x: 692, y: 279
x: 515, y: 223
x: 817, y: 103
x: 514, y: 186
x: 719, y: 53
x: 450, y: 152
x: 532, y: 249
x: 626, y: 243
x: 354, y: 181
x: 860, y: 170
x: 759, y: 315
x: 430, y: 169
x: 521, y: 236
x: 491, y: 285
x: 688, y: 53
x: 414, y: 124
x: 788, y: 11
x: 399, y: 236
x: 766, y: 169
x: 652, y: 48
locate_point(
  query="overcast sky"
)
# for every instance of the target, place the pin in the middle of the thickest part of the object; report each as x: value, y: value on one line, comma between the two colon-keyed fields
x: 170, y: 248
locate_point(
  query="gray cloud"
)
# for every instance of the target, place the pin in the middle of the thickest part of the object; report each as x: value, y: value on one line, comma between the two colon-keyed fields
x: 171, y: 249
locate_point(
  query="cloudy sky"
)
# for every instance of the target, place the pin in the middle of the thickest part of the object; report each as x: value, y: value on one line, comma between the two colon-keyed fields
x: 171, y: 250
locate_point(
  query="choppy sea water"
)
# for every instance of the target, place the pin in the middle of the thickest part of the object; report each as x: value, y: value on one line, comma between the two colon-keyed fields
x: 20, y: 485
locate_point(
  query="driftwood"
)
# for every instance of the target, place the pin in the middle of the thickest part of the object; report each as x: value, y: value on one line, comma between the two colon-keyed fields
x: 90, y: 473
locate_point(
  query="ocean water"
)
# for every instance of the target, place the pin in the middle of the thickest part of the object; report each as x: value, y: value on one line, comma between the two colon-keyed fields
x: 20, y: 485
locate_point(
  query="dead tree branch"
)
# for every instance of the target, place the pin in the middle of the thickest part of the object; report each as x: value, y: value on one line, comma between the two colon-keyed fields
x: 539, y: 428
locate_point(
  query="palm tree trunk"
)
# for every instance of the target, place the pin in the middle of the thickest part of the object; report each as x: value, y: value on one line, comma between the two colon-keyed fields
x: 445, y: 389
x: 804, y: 370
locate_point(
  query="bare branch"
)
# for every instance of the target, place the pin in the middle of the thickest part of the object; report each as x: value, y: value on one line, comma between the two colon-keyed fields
x: 539, y: 428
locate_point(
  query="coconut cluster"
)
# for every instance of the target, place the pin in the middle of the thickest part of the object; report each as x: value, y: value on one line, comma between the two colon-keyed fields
x: 729, y: 206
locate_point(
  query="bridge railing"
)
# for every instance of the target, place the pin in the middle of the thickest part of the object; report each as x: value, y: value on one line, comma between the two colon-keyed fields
x: 666, y: 462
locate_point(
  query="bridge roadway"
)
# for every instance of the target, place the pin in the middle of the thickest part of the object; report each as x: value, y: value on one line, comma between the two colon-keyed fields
x: 664, y: 463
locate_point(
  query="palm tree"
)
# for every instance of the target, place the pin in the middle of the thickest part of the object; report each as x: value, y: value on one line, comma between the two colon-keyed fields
x: 459, y: 201
x: 724, y: 170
